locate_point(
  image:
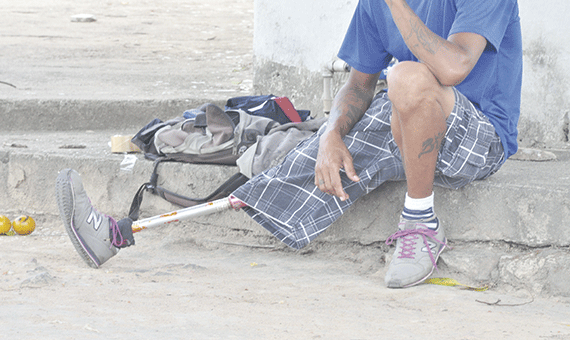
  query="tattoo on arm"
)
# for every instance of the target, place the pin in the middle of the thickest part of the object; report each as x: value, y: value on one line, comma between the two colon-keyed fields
x: 350, y: 110
x: 351, y: 118
x: 430, y: 42
x: 424, y: 38
x: 432, y: 144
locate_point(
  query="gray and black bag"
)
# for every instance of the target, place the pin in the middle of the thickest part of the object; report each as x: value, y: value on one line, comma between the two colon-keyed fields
x: 210, y: 135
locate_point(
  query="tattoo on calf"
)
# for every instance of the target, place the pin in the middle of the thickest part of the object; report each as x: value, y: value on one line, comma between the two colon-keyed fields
x: 432, y: 144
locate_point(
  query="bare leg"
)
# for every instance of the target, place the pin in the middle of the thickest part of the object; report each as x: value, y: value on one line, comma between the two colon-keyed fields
x: 420, y: 109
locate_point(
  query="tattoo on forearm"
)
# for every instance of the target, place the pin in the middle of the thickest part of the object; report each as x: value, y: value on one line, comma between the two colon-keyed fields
x: 432, y: 144
x: 354, y: 105
x: 351, y: 118
x: 424, y: 38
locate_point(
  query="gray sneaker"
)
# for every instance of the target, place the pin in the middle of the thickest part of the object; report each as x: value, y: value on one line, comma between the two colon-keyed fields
x: 418, y: 246
x: 89, y: 230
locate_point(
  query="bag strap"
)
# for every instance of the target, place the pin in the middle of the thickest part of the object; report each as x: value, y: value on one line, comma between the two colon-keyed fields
x: 222, y: 191
x: 134, y: 211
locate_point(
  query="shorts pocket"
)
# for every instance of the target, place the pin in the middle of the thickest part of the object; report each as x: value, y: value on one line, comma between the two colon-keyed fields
x: 465, y: 150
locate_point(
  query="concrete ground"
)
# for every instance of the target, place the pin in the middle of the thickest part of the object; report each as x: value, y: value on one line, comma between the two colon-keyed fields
x: 66, y: 87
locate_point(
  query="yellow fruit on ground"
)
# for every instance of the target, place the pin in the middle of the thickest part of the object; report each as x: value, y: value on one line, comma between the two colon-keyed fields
x: 24, y: 225
x: 5, y: 225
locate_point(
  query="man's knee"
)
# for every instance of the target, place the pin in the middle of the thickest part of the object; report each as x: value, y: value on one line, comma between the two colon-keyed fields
x: 410, y: 84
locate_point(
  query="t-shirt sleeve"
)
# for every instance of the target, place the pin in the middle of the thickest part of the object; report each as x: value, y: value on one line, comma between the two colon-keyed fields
x: 362, y: 47
x: 489, y: 18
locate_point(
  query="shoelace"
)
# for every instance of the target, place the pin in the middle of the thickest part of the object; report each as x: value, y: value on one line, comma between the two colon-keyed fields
x: 116, y: 233
x: 115, y: 230
x: 408, y: 241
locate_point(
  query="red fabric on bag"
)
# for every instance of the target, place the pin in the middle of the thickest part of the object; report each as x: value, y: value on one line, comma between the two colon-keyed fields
x: 285, y: 105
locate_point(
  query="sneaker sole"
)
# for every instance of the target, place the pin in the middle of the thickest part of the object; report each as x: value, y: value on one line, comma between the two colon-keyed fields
x: 64, y: 196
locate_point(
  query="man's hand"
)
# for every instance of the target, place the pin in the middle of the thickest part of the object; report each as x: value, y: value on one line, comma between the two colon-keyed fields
x: 333, y: 156
x: 349, y: 106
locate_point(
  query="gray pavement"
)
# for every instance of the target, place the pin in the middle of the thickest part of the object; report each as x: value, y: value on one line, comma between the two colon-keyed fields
x: 67, y: 87
x: 136, y: 61
x: 168, y: 50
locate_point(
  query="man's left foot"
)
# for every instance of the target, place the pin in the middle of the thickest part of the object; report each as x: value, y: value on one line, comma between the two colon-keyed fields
x: 418, y: 246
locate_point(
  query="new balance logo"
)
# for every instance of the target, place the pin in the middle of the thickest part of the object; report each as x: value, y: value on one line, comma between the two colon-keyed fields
x: 432, y: 245
x: 95, y: 219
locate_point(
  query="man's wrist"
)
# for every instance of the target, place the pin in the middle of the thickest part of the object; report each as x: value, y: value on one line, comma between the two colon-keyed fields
x: 331, y: 133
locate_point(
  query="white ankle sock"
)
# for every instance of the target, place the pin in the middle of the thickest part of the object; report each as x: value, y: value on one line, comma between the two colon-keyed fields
x: 418, y: 208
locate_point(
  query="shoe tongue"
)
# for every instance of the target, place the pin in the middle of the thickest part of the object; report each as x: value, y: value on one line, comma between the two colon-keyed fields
x: 409, y: 225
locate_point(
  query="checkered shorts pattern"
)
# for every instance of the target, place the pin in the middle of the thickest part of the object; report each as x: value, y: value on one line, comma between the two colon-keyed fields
x: 285, y: 201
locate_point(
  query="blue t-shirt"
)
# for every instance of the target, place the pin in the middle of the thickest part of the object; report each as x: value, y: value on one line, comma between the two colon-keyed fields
x: 494, y: 84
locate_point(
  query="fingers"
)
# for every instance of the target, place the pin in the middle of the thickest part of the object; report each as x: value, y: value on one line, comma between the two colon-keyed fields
x: 331, y: 185
x: 328, y: 180
x: 350, y: 172
x: 333, y: 155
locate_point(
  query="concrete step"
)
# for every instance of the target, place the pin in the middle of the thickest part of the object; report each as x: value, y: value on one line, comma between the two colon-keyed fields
x: 81, y: 115
x: 510, y: 229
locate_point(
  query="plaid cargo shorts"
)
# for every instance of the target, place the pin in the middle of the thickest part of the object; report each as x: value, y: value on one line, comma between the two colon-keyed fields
x: 285, y: 201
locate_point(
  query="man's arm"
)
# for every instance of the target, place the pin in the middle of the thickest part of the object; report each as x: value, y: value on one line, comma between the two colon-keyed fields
x: 349, y: 106
x: 449, y: 60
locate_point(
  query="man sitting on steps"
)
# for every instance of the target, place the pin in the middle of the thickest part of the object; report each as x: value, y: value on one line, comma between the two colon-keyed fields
x: 449, y: 117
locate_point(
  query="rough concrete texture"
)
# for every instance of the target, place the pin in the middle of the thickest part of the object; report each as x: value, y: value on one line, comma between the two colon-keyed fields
x: 223, y: 276
x: 545, y: 102
x: 136, y: 57
x: 546, y: 73
x: 96, y: 114
x: 304, y: 88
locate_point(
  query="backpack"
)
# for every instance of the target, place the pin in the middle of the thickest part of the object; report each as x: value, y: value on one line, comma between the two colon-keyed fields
x: 234, y: 136
x: 279, y: 109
